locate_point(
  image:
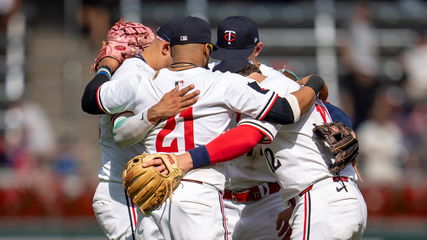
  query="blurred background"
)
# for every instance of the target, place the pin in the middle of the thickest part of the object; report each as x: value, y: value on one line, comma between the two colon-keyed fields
x: 373, y: 55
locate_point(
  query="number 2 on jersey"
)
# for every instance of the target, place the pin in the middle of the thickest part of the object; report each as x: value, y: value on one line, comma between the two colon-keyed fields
x: 273, y: 163
x: 170, y: 125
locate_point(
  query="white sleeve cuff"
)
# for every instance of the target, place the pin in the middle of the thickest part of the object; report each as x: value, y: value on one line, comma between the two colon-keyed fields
x: 293, y: 102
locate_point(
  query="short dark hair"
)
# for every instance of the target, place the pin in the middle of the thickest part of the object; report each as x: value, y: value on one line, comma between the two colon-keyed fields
x: 248, y: 69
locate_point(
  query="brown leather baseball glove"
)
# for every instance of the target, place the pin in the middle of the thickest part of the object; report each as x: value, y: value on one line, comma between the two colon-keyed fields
x: 342, y: 143
x: 147, y: 187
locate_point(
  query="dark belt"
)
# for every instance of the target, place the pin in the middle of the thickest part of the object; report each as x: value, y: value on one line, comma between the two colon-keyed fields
x: 253, y: 193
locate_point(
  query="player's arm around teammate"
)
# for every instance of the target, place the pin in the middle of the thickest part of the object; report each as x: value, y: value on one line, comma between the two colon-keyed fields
x: 243, y: 138
x: 292, y: 106
x: 129, y: 128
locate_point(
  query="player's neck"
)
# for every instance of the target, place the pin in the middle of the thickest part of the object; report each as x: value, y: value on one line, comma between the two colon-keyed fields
x: 254, y: 60
x: 179, y: 66
x: 150, y: 59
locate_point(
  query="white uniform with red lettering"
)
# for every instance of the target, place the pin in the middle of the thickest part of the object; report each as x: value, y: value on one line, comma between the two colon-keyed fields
x: 249, y: 177
x: 114, y: 211
x: 326, y: 207
x: 196, y: 211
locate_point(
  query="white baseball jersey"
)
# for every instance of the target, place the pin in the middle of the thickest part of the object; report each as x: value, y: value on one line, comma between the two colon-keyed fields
x: 271, y: 72
x: 295, y: 157
x: 114, y: 158
x: 250, y: 170
x: 221, y: 95
x: 116, y: 213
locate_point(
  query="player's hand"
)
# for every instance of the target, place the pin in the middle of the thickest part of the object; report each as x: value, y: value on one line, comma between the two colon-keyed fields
x: 173, y: 103
x: 282, y: 223
x: 158, y: 164
x: 185, y: 163
x: 323, y: 93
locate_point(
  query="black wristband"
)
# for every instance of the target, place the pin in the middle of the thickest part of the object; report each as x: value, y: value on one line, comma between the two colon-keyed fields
x: 315, y: 83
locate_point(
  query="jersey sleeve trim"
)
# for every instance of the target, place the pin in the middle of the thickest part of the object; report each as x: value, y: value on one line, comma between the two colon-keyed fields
x: 99, y: 101
x: 268, y: 106
x: 293, y: 102
x: 268, y: 136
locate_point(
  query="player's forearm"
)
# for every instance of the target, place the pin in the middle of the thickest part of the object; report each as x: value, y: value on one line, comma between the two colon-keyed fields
x: 307, y: 94
x: 234, y: 143
x: 89, y: 102
x: 129, y: 129
x: 228, y: 146
x: 305, y: 98
x: 287, y: 110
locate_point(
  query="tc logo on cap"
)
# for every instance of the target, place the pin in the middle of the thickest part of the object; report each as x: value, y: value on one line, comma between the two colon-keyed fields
x: 183, y: 38
x: 230, y: 36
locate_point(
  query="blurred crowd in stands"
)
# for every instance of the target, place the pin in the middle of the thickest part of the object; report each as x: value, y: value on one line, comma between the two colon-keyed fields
x: 389, y: 111
x: 43, y: 174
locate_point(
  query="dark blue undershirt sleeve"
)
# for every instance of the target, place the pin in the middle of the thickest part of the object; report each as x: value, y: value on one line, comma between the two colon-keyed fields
x: 338, y: 115
x: 89, y: 99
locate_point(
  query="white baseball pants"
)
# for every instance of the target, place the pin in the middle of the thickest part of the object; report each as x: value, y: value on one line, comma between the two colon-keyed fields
x: 330, y: 212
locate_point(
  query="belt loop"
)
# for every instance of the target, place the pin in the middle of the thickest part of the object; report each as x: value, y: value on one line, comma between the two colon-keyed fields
x: 233, y: 198
x: 267, y: 188
x: 261, y: 190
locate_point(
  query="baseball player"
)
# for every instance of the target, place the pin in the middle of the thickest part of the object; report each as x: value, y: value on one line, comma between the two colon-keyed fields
x: 115, y: 213
x: 196, y: 210
x: 252, y: 200
x: 300, y: 163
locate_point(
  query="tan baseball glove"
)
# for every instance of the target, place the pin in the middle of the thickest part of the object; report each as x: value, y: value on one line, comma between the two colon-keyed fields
x: 124, y: 40
x: 147, y: 187
x: 342, y: 143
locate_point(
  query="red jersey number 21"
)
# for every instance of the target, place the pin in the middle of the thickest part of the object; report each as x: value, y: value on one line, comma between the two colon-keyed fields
x: 170, y: 125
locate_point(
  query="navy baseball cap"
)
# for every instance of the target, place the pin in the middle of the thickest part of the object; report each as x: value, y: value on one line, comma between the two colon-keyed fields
x: 186, y: 30
x: 237, y: 36
x: 233, y: 65
x: 164, y: 32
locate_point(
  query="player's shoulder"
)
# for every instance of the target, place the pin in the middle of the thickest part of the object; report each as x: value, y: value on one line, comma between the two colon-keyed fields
x: 269, y: 71
x: 280, y: 84
x: 136, y: 62
x: 199, y: 76
x: 230, y: 81
x: 132, y: 67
